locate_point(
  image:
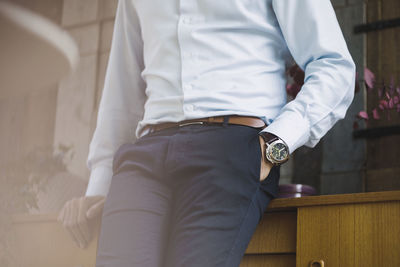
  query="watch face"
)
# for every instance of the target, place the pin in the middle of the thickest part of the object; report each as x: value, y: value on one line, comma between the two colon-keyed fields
x: 279, y: 152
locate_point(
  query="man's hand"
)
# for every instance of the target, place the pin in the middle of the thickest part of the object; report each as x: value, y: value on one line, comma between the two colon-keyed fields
x: 265, y: 165
x: 79, y: 215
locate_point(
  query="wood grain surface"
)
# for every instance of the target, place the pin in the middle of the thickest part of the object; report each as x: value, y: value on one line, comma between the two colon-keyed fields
x: 288, y: 260
x: 360, y: 235
x: 293, y: 203
x: 276, y: 233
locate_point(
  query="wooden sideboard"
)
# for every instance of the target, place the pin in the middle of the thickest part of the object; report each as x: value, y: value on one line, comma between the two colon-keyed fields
x: 344, y: 230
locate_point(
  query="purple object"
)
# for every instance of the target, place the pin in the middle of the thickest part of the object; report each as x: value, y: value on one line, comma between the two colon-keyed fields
x: 297, y: 188
x: 290, y: 195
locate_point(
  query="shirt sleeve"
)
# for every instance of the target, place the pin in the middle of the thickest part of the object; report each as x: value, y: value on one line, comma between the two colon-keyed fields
x: 315, y: 40
x: 122, y: 101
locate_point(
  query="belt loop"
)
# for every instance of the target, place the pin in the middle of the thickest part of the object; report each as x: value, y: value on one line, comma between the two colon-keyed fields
x: 226, y: 119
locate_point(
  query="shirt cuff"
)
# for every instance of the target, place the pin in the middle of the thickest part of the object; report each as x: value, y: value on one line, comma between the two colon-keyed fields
x: 99, y: 181
x: 292, y: 128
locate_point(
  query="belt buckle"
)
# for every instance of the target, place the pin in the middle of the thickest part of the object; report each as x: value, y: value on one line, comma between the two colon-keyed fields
x: 190, y: 123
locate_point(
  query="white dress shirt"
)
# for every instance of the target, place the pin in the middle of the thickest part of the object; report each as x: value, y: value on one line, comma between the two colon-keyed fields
x: 175, y: 60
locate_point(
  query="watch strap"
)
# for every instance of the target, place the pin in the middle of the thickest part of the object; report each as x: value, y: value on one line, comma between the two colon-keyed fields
x: 269, y: 137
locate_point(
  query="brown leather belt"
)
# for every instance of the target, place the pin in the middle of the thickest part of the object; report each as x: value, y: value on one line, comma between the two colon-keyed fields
x: 232, y: 119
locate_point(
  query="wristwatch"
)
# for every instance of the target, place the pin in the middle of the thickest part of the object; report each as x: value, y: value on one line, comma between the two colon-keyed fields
x: 276, y: 150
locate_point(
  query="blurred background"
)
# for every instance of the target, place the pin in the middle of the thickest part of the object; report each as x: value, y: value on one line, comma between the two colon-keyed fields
x: 52, y: 126
x: 45, y: 132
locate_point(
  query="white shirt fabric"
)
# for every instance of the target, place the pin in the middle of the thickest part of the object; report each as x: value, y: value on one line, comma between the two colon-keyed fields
x: 177, y: 60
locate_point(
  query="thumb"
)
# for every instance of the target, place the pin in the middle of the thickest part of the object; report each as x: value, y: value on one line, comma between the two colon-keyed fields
x: 95, y: 210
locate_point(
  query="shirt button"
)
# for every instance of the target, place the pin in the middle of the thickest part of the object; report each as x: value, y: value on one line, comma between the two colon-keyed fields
x: 187, y: 87
x: 189, y: 107
x: 190, y: 55
x: 187, y: 20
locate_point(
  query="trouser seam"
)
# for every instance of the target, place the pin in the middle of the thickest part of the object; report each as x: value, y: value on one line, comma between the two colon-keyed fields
x: 168, y: 237
x: 241, y: 225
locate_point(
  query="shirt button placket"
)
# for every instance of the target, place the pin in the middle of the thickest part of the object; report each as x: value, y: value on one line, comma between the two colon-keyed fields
x: 184, y: 33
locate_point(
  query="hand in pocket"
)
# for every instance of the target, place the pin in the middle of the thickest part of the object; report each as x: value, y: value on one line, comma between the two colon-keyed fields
x: 266, y: 166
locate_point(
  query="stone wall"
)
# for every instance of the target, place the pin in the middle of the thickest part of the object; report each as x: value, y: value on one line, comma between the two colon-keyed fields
x: 90, y: 23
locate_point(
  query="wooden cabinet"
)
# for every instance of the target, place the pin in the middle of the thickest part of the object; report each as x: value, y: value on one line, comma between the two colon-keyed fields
x: 348, y: 230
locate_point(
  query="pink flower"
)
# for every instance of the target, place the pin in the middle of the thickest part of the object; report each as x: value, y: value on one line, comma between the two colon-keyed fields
x: 362, y: 115
x: 369, y: 78
x: 375, y: 114
x: 383, y: 104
